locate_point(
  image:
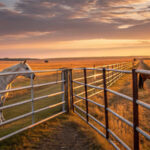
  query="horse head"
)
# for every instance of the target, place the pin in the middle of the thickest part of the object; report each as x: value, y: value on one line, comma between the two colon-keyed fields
x: 25, y: 67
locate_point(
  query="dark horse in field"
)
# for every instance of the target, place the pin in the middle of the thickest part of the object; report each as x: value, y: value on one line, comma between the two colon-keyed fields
x: 143, y: 77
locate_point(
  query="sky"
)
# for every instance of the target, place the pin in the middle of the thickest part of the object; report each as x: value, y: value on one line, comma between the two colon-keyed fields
x: 74, y: 28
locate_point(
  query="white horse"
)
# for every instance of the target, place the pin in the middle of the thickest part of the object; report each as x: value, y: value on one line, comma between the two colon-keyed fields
x: 6, y: 80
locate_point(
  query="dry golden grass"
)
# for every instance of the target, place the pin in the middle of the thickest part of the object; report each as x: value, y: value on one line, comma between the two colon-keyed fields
x: 62, y: 63
x: 119, y: 105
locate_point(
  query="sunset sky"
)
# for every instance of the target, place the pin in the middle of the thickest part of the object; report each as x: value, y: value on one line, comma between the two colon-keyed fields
x: 74, y: 28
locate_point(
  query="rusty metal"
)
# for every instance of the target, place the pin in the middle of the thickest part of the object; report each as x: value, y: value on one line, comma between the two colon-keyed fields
x: 86, y: 96
x: 105, y: 102
x: 71, y: 90
x: 66, y: 90
x: 134, y: 99
x: 135, y: 111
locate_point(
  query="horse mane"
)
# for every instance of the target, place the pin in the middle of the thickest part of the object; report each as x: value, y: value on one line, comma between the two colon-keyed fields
x: 9, y: 69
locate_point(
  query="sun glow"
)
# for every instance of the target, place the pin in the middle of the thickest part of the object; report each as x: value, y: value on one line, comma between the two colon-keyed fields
x: 80, y: 48
x: 80, y: 44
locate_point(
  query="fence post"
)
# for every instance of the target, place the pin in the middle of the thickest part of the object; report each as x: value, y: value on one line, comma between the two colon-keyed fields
x: 116, y: 66
x: 122, y: 68
x: 32, y: 97
x: 105, y: 102
x: 135, y: 110
x: 66, y: 90
x: 86, y: 96
x: 133, y: 64
x: 107, y: 76
x: 119, y: 68
x: 94, y: 72
x: 63, y: 88
x: 71, y: 90
x: 117, y: 72
x: 112, y: 74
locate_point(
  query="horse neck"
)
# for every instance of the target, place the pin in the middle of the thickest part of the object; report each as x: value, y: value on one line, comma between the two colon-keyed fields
x: 9, y: 78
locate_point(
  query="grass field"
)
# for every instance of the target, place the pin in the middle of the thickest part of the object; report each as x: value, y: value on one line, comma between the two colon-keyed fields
x: 121, y: 106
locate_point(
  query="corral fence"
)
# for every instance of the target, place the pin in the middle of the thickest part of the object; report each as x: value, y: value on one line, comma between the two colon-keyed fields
x: 109, y: 74
x: 100, y: 79
x: 63, y: 102
x: 95, y: 76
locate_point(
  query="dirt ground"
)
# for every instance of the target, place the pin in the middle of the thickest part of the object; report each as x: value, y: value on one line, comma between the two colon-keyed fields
x: 67, y: 132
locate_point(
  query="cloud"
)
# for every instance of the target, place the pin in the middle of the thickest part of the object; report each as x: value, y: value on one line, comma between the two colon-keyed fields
x: 2, y: 5
x: 54, y: 20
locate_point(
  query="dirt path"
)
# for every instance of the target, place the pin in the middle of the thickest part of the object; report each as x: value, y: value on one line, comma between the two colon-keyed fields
x: 66, y: 137
x: 67, y: 132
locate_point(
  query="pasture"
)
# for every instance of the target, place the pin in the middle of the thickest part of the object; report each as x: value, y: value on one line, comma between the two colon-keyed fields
x: 119, y: 105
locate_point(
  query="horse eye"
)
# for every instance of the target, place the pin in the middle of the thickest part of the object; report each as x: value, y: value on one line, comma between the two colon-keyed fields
x: 27, y: 68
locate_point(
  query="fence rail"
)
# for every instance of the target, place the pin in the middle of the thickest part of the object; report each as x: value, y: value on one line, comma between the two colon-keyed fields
x: 113, y: 74
x: 104, y: 87
x: 32, y: 113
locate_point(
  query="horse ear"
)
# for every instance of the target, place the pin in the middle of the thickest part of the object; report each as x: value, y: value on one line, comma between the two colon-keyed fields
x: 24, y: 61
